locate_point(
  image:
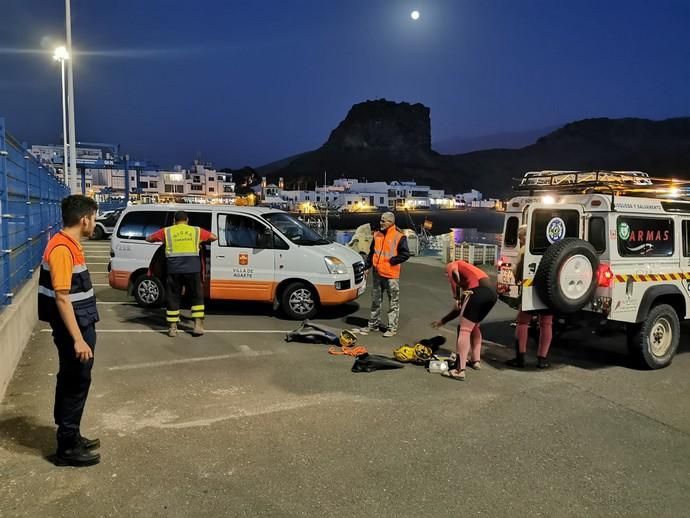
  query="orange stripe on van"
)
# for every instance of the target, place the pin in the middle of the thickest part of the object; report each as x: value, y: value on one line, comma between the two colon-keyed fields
x: 328, y: 295
x: 260, y: 291
x: 119, y: 279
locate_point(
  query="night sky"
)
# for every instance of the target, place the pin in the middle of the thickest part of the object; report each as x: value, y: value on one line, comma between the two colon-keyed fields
x: 249, y: 82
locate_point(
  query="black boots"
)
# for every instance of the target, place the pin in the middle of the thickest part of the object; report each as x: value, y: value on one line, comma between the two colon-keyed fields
x: 543, y: 362
x: 78, y: 457
x: 89, y: 444
x: 518, y: 361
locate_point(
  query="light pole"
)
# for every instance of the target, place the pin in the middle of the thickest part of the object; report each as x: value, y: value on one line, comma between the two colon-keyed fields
x: 61, y: 55
x: 74, y: 185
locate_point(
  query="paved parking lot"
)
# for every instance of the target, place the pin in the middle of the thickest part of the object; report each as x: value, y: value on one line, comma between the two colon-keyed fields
x: 240, y: 423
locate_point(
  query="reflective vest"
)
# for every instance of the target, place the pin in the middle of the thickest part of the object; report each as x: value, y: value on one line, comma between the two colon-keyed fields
x: 80, y: 293
x: 182, y: 248
x: 386, y: 247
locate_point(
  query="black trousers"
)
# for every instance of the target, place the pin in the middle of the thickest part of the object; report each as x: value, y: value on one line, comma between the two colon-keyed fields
x: 73, y: 382
x: 173, y: 292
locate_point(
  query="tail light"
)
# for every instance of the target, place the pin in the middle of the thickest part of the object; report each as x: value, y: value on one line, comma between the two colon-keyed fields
x: 500, y: 262
x: 604, y: 276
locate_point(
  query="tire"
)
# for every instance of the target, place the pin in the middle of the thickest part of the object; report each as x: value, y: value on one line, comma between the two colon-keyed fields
x: 566, y: 277
x: 98, y: 233
x: 299, y: 301
x: 149, y: 291
x: 653, y: 343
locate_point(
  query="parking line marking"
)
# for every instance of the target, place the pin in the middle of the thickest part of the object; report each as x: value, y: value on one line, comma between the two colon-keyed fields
x: 243, y: 354
x: 99, y: 284
x: 117, y: 303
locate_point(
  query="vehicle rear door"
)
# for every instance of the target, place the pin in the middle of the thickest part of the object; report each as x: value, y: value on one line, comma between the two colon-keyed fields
x: 546, y: 225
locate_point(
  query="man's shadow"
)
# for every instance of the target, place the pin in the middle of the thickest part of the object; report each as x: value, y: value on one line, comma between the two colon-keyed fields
x: 23, y: 433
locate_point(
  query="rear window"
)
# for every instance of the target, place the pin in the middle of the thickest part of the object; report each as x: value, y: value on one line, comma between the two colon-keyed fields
x: 139, y: 224
x: 550, y: 226
x: 644, y: 237
x: 597, y: 234
x: 510, y: 237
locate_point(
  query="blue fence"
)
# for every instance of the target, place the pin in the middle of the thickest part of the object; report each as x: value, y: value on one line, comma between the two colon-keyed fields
x: 30, y: 196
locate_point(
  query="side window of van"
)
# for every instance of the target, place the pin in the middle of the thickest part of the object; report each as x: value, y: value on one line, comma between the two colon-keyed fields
x: 139, y: 224
x: 238, y: 231
x: 645, y: 237
x: 200, y: 219
x: 597, y: 234
x: 686, y: 238
x: 510, y: 238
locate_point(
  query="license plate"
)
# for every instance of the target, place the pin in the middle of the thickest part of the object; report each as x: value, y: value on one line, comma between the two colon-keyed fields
x: 506, y: 276
x: 362, y: 288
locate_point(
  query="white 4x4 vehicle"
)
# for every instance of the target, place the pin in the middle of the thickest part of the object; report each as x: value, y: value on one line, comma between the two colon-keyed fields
x: 612, y: 243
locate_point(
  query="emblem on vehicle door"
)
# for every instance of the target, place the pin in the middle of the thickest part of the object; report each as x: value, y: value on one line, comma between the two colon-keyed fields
x: 244, y: 259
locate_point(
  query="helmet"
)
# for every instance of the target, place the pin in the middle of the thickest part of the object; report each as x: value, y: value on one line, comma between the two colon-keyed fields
x: 423, y: 353
x: 404, y: 353
x: 347, y: 338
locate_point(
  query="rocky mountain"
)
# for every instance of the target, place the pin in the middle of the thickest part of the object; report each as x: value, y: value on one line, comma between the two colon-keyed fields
x: 383, y: 140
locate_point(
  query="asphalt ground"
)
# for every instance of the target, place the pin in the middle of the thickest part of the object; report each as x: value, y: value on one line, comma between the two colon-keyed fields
x: 240, y: 423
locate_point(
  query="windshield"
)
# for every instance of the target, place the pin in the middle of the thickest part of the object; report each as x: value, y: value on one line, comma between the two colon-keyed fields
x: 294, y: 229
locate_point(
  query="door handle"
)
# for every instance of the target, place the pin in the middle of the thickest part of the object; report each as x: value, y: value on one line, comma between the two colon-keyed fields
x: 220, y: 257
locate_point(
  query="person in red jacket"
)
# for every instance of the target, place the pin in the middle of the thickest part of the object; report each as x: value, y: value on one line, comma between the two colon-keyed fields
x: 475, y: 296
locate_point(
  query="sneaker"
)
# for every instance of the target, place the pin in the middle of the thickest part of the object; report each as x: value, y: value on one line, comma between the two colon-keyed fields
x: 389, y: 333
x: 365, y: 330
x: 477, y: 366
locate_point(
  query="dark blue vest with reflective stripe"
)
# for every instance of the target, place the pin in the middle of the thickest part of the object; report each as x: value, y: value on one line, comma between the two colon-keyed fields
x: 81, y: 292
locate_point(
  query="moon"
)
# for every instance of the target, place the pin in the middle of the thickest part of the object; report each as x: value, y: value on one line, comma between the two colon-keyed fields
x: 415, y: 15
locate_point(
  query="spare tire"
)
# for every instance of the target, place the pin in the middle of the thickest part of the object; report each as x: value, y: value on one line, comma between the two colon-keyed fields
x: 567, y: 275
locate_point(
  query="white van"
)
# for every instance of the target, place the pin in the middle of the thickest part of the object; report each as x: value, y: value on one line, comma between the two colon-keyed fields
x: 262, y: 254
x: 612, y: 244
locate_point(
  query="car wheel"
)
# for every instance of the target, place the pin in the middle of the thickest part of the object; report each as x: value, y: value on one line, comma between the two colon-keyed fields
x: 567, y: 275
x: 148, y: 291
x: 299, y: 301
x: 653, y: 342
x: 98, y: 233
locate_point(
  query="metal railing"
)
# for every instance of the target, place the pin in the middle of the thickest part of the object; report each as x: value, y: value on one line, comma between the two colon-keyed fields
x: 30, y: 196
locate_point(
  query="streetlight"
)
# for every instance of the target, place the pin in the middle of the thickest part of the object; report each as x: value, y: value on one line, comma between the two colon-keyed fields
x: 70, y: 102
x: 61, y: 55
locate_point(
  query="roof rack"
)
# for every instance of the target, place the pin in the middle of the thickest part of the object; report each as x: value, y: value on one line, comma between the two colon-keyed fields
x: 615, y: 183
x: 552, y: 179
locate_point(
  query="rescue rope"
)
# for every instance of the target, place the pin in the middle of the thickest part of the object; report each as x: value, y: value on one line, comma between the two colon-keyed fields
x: 358, y: 350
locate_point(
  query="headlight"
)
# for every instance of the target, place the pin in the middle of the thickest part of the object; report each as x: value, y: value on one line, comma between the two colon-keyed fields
x: 335, y: 265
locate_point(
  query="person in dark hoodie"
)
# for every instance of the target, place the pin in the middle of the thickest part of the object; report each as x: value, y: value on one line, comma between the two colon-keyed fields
x: 387, y: 252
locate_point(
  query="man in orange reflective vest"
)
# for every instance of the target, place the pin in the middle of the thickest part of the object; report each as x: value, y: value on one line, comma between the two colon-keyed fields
x: 387, y: 252
x: 67, y: 302
x: 182, y: 242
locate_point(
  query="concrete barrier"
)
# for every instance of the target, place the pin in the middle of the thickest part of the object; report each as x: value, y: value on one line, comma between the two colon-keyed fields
x: 17, y: 322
